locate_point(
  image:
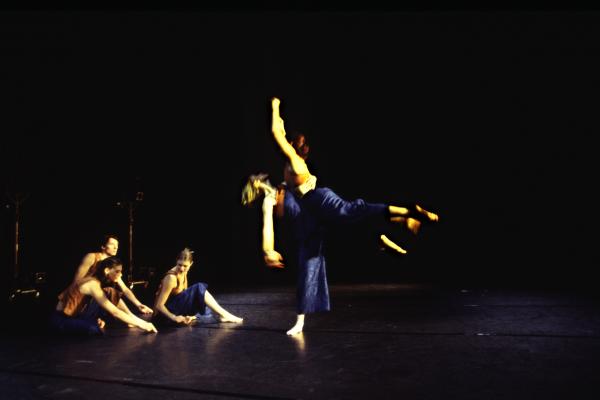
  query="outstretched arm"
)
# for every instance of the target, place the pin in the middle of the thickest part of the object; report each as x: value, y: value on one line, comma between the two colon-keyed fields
x: 93, y: 289
x: 129, y: 294
x: 298, y: 164
x: 272, y: 258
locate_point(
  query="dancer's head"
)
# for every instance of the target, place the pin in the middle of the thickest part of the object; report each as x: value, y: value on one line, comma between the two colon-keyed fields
x: 185, y: 260
x: 254, y: 188
x: 109, y: 270
x: 110, y: 244
x: 299, y: 143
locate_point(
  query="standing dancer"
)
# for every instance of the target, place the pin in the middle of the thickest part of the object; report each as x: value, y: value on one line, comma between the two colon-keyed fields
x: 311, y: 209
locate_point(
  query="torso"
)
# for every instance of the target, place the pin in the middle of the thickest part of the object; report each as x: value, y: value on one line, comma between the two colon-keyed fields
x: 182, y: 283
x: 97, y: 258
x: 291, y: 178
x: 298, y: 183
x: 71, y: 300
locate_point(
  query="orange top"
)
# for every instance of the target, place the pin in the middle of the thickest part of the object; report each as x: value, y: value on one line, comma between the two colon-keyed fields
x: 92, y: 270
x: 72, y: 299
x: 181, y: 286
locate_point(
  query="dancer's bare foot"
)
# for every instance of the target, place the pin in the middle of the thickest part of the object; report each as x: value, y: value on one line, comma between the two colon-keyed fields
x: 395, y: 210
x: 413, y: 225
x: 432, y: 216
x: 297, y: 328
x: 390, y: 244
x: 230, y: 318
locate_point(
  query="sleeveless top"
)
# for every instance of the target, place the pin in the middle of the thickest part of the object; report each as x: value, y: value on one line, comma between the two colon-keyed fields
x: 92, y: 270
x: 177, y: 289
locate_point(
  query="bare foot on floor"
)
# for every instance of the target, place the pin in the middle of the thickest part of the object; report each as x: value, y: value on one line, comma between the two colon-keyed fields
x: 296, y: 329
x: 230, y: 318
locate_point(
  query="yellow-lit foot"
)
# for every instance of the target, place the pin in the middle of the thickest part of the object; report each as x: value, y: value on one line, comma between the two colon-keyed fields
x: 390, y: 244
x: 432, y: 216
x: 413, y: 225
x: 296, y: 329
x: 230, y: 318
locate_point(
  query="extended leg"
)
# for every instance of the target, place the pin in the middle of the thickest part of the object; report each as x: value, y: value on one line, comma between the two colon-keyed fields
x: 225, y: 316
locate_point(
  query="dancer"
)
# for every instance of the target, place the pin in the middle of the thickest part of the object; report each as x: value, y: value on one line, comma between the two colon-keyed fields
x: 83, y: 304
x: 87, y: 267
x: 176, y: 303
x: 298, y: 178
x: 311, y: 209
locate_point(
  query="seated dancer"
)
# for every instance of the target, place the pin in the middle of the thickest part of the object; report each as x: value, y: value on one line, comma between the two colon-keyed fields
x: 87, y: 267
x: 83, y: 304
x: 176, y: 303
x: 310, y: 209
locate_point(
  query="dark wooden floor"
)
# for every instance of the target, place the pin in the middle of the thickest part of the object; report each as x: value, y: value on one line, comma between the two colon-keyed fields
x: 380, y: 341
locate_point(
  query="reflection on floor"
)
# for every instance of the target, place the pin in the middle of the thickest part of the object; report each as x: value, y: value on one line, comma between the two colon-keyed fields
x: 379, y: 342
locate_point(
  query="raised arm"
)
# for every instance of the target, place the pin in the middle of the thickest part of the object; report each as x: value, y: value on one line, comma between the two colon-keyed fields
x: 272, y: 258
x: 167, y: 285
x: 93, y: 289
x: 298, y: 164
x: 129, y: 294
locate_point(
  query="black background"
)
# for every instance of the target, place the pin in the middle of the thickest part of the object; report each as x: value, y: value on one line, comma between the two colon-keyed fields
x: 487, y: 117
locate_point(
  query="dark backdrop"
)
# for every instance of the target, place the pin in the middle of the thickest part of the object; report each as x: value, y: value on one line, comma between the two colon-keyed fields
x: 487, y: 117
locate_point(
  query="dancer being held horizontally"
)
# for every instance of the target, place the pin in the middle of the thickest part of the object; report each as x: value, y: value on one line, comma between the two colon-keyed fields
x: 311, y: 209
x: 176, y: 303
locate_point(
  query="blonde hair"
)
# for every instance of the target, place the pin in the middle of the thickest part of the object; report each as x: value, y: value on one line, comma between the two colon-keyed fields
x: 250, y: 192
x: 186, y: 255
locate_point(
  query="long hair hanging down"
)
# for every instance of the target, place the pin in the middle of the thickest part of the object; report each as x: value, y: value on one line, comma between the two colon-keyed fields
x: 249, y: 192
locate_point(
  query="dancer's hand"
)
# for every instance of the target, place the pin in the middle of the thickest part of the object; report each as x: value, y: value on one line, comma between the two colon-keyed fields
x: 275, y: 102
x: 184, y: 319
x: 273, y: 259
x: 144, y: 309
x: 149, y: 327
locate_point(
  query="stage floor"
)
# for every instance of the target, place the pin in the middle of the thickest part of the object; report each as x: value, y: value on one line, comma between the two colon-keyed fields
x: 412, y: 341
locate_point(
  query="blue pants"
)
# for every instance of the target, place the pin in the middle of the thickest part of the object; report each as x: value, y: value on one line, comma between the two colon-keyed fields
x: 86, y: 322
x: 328, y: 207
x: 188, y: 302
x: 310, y: 215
